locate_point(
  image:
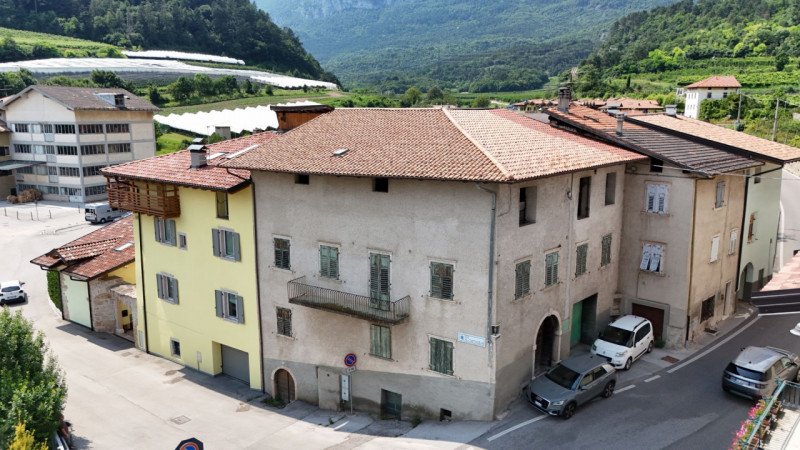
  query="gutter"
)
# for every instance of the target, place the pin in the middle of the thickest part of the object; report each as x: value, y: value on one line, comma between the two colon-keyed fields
x: 490, y: 291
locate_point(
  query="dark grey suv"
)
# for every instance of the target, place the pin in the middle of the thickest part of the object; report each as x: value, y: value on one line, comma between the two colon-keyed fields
x: 756, y: 371
x: 571, y: 383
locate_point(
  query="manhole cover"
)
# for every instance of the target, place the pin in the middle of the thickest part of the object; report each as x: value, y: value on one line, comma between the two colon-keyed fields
x: 670, y: 359
x: 180, y: 420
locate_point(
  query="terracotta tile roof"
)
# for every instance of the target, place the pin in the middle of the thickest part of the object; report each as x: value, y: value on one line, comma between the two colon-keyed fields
x: 630, y: 104
x: 681, y: 152
x: 429, y: 143
x: 716, y: 82
x: 80, y: 98
x: 751, y: 145
x: 174, y: 168
x: 95, y: 253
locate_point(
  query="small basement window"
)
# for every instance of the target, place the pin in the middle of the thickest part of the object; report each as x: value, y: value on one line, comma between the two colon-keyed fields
x: 301, y: 179
x: 445, y: 415
x: 380, y: 184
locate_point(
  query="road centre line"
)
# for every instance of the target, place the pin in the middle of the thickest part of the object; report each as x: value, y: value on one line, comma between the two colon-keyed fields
x: 516, y: 427
x: 626, y: 388
x: 652, y: 378
x: 718, y: 345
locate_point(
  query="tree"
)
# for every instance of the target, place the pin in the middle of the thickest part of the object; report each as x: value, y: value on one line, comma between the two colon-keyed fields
x: 204, y: 85
x: 248, y: 87
x: 54, y: 287
x: 24, y: 440
x: 781, y: 61
x: 226, y: 85
x: 269, y: 90
x: 155, y: 96
x: 108, y: 79
x: 481, y: 101
x: 435, y: 95
x: 412, y: 96
x: 32, y: 389
x: 181, y: 90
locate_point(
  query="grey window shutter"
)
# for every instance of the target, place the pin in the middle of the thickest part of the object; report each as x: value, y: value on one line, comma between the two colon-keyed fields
x: 157, y: 228
x: 160, y: 286
x: 174, y: 283
x: 172, y: 234
x: 237, y: 252
x: 218, y: 302
x: 239, y: 309
x: 215, y: 242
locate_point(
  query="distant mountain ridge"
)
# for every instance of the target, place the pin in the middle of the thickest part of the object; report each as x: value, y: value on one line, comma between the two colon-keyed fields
x: 465, y: 44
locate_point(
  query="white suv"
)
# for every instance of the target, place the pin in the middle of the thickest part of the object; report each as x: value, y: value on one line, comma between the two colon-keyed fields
x: 625, y: 340
x: 11, y: 292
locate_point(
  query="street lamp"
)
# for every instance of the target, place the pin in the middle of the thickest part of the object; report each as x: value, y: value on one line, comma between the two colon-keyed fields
x: 796, y: 330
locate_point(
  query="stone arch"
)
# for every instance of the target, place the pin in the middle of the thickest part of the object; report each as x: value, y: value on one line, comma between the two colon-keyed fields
x: 546, y: 348
x: 283, y: 385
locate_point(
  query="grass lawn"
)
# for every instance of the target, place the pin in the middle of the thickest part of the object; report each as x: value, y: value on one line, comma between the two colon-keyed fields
x: 171, y: 142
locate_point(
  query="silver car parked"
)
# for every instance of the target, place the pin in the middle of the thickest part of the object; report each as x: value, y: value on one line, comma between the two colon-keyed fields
x: 571, y: 383
x: 756, y: 371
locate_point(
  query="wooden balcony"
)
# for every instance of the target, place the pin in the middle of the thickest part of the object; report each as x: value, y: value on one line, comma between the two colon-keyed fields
x: 353, y: 305
x: 154, y: 199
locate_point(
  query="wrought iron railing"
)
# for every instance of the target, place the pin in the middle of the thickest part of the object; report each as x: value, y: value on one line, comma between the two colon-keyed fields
x: 354, y: 305
x: 786, y: 395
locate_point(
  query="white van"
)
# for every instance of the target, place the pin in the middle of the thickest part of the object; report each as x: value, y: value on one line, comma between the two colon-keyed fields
x: 625, y: 340
x: 101, y: 212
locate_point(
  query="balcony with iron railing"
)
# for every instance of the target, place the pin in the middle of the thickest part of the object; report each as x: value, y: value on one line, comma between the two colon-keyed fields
x: 772, y: 422
x: 155, y: 199
x: 354, y: 305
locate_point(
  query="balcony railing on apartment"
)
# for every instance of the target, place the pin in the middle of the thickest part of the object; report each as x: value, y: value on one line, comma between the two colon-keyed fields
x: 385, y: 311
x: 764, y: 431
x: 155, y: 199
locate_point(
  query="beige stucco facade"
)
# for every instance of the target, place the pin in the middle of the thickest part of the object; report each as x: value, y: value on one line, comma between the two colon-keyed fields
x: 685, y: 232
x: 34, y: 109
x: 418, y: 222
x: 759, y: 239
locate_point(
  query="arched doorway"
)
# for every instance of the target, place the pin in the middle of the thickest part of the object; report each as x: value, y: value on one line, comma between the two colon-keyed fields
x: 284, y: 386
x: 746, y: 282
x: 546, y: 342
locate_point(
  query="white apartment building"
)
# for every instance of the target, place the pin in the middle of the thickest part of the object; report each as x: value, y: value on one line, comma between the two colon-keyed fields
x: 60, y: 138
x: 453, y: 252
x: 715, y: 88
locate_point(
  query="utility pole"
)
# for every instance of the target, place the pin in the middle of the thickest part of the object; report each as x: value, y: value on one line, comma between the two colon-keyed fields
x: 775, y: 123
x: 738, y: 112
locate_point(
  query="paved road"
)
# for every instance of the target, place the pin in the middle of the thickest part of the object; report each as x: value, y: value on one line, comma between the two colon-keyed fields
x: 790, y: 200
x: 684, y: 409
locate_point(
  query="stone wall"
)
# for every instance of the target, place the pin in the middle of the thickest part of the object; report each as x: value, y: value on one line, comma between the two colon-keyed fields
x: 104, y: 307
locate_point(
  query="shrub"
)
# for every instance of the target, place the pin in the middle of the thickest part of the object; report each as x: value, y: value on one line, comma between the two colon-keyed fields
x: 54, y: 288
x: 30, y: 195
x: 12, y: 199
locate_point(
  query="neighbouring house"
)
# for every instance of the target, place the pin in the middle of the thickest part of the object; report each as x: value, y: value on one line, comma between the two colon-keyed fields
x: 6, y: 176
x: 759, y: 237
x: 454, y: 253
x: 683, y: 215
x: 96, y: 275
x: 628, y: 106
x: 62, y: 136
x: 715, y: 88
x: 195, y: 257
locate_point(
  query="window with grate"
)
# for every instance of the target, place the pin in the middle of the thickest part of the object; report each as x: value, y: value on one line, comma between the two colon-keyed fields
x: 605, y: 257
x: 551, y: 269
x: 21, y: 127
x: 22, y: 148
x: 441, y: 354
x: 167, y: 287
x: 584, y: 195
x: 68, y: 150
x: 522, y: 279
x: 442, y: 280
x: 380, y: 341
x: 581, y: 254
x: 329, y: 261
x: 97, y: 149
x: 229, y: 306
x: 284, y: 316
x: 69, y: 172
x: 282, y: 256
x: 119, y: 148
x: 225, y: 244
x: 65, y: 129
x: 117, y: 128
x: 92, y: 128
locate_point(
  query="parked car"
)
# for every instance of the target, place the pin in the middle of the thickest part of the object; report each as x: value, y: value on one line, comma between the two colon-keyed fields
x: 756, y: 371
x: 11, y: 292
x: 625, y: 340
x: 571, y: 383
x: 101, y: 212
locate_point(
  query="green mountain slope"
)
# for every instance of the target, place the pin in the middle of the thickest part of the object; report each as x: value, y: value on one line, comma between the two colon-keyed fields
x: 466, y: 44
x: 225, y: 27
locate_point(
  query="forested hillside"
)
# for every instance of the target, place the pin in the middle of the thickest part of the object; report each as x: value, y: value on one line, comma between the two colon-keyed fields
x: 226, y: 27
x: 475, y: 45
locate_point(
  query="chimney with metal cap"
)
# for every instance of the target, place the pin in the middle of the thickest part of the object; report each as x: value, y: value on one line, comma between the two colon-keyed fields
x: 198, y: 152
x: 620, y: 121
x: 671, y: 110
x: 564, y: 98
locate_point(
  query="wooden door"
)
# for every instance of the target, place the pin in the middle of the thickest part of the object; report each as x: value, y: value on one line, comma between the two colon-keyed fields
x: 654, y: 315
x: 284, y: 386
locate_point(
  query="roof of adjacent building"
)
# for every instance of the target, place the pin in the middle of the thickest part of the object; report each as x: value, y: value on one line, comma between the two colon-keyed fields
x: 430, y: 143
x: 94, y: 254
x: 4, y: 127
x: 787, y: 278
x: 717, y: 81
x: 81, y: 98
x: 175, y: 168
x: 628, y: 104
x: 751, y: 145
x: 678, y: 151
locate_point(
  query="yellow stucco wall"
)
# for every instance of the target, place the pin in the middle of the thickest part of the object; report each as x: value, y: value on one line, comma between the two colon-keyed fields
x: 193, y: 322
x: 126, y: 272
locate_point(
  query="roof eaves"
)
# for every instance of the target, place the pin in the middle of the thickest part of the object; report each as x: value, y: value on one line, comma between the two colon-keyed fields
x: 506, y: 173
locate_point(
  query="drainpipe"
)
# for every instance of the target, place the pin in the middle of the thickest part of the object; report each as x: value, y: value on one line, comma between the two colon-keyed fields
x: 691, y: 268
x: 490, y: 291
x: 571, y: 220
x: 144, y: 296
x: 258, y: 290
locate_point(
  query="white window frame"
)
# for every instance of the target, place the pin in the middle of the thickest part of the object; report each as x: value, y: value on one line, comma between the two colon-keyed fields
x: 714, y: 257
x: 658, y: 193
x: 733, y: 241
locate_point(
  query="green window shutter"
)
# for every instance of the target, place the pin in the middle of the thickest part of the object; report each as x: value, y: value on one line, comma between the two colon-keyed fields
x: 237, y: 249
x: 324, y: 261
x: 215, y: 242
x: 278, y: 258
x: 218, y: 303
x: 580, y: 259
x: 239, y: 309
x: 380, y: 341
x: 447, y: 282
x: 434, y: 355
x: 285, y: 259
x: 447, y: 357
x: 522, y: 279
x: 333, y: 255
x: 436, y: 281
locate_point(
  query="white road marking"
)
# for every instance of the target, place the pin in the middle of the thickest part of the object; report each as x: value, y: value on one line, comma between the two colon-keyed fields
x: 340, y: 426
x: 516, y: 427
x: 626, y: 388
x: 652, y: 378
x: 719, y: 344
x: 780, y: 313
